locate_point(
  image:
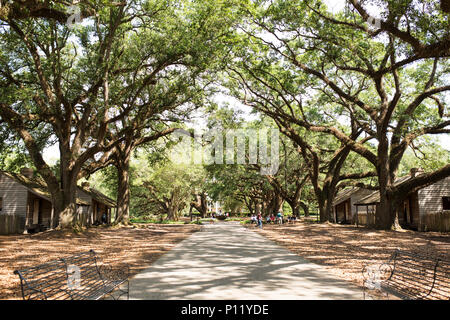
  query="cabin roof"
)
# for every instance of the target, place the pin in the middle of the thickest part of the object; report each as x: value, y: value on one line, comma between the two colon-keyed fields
x: 374, y: 197
x: 344, y: 195
x: 98, y: 196
x: 34, y: 185
x: 38, y: 187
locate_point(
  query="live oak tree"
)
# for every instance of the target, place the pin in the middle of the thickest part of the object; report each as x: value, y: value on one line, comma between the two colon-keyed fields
x: 291, y: 179
x: 259, y: 82
x: 384, y: 87
x: 244, y: 182
x: 53, y: 10
x: 58, y: 79
x: 154, y: 195
x: 89, y: 84
x: 174, y: 56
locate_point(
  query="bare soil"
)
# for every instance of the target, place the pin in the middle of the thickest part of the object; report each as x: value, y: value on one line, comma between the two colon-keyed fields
x: 346, y: 249
x: 138, y: 246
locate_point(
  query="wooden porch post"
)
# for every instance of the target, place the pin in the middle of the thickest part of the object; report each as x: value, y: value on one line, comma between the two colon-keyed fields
x: 357, y: 222
x: 52, y: 213
x: 367, y: 215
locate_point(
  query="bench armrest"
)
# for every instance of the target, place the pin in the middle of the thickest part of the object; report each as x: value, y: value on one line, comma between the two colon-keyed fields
x: 114, y: 273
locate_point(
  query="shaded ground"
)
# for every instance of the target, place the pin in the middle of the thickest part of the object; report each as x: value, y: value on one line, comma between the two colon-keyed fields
x: 345, y: 249
x: 227, y: 261
x: 138, y: 247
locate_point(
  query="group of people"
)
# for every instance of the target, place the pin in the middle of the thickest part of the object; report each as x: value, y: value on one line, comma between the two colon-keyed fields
x: 214, y: 215
x: 258, y: 220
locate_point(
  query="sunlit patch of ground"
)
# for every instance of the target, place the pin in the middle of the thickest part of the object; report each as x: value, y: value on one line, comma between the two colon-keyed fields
x: 136, y: 246
x: 345, y: 249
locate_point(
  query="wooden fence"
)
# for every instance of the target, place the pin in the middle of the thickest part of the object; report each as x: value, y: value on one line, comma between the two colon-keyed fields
x: 435, y: 221
x: 365, y: 219
x: 11, y: 224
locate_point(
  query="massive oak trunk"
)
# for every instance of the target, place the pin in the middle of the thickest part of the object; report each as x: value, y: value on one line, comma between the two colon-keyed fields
x: 277, y: 203
x: 122, y: 157
x: 304, y: 208
x: 200, y: 204
x: 296, y: 205
x: 386, y: 213
x: 173, y: 206
x: 65, y: 196
x: 66, y: 207
x: 123, y: 193
x: 325, y: 197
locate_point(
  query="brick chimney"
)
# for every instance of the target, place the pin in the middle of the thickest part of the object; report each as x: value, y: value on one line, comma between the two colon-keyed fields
x: 27, y: 172
x: 415, y: 171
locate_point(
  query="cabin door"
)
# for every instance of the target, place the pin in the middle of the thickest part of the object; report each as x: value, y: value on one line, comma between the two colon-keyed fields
x: 36, y: 211
x: 347, y: 211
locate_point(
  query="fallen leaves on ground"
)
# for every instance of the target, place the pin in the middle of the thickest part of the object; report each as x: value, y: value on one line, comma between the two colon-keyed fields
x: 138, y: 246
x: 346, y: 249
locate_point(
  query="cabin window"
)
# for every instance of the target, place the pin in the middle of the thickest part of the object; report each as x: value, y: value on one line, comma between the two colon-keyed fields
x: 1, y: 204
x: 445, y: 203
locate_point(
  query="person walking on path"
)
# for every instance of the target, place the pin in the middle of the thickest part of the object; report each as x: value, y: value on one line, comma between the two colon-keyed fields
x: 259, y: 220
x: 279, y: 217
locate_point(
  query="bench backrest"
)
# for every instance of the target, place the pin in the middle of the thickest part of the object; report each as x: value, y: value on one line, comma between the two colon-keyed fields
x: 89, y: 274
x: 441, y: 288
x: 58, y: 279
x: 45, y: 281
x: 418, y: 275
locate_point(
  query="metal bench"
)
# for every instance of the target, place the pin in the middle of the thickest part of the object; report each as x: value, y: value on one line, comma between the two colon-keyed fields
x: 77, y: 277
x: 410, y: 276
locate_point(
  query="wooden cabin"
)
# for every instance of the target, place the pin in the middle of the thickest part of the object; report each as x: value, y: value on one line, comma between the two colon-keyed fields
x: 101, y: 207
x: 25, y: 204
x: 26, y: 207
x: 427, y: 209
x: 343, y: 205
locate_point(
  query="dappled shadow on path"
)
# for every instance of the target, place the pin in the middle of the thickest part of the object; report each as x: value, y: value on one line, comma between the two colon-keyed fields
x: 230, y: 262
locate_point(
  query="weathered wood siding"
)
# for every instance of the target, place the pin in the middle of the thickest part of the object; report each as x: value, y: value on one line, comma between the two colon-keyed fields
x: 365, y: 219
x: 84, y: 196
x: 366, y: 215
x: 430, y: 198
x: 342, y: 211
x: 436, y: 221
x: 45, y: 210
x: 356, y: 197
x: 432, y: 216
x: 85, y: 212
x: 348, y: 204
x: 11, y: 224
x: 14, y: 198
